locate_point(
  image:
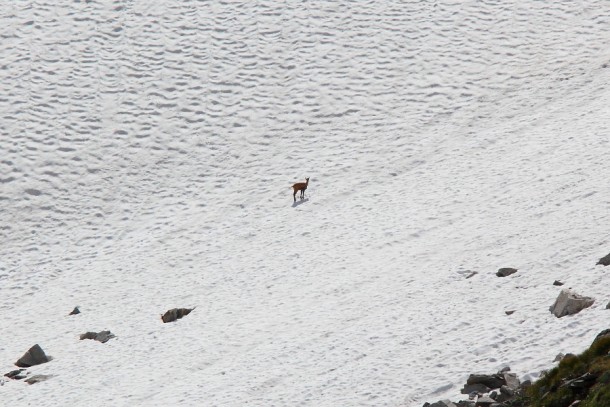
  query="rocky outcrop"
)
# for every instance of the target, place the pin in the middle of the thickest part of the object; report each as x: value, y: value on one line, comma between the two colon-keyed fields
x: 175, y: 314
x: 442, y: 403
x: 103, y: 336
x: 488, y: 390
x: 570, y: 303
x: 34, y: 356
x: 75, y: 311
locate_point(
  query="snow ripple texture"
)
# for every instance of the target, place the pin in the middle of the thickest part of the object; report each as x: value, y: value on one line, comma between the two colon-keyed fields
x: 146, y: 155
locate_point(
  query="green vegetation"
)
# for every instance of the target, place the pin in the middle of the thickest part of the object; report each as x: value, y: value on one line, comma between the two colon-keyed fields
x: 583, y: 377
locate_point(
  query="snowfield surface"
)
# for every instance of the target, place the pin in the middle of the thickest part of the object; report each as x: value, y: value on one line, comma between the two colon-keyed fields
x: 147, y: 151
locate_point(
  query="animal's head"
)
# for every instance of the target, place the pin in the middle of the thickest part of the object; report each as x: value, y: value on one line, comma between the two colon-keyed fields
x: 307, y: 179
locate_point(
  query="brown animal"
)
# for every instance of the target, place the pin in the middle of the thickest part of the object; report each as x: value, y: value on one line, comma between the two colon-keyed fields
x: 300, y: 186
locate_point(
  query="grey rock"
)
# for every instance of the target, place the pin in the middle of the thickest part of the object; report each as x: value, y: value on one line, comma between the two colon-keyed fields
x: 34, y: 356
x: 608, y: 306
x: 506, y: 271
x: 485, y: 401
x: 559, y: 357
x: 494, y: 381
x: 75, y: 311
x: 512, y: 381
x: 475, y: 388
x: 175, y: 313
x: 102, y: 336
x: 509, y: 312
x: 570, y: 303
x: 443, y: 403
x: 557, y: 282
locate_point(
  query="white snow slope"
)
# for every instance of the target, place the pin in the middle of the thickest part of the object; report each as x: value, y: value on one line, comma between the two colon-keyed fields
x: 147, y: 151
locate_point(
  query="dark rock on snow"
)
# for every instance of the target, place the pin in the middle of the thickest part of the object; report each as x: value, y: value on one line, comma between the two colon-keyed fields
x: 506, y: 271
x: 604, y: 261
x: 474, y: 388
x: 176, y: 313
x: 494, y: 381
x: 16, y: 374
x: 103, y: 336
x: 557, y: 282
x: 442, y: 403
x: 34, y: 356
x: 75, y: 311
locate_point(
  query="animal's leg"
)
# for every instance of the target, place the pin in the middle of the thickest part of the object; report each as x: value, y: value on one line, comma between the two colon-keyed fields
x: 295, y: 195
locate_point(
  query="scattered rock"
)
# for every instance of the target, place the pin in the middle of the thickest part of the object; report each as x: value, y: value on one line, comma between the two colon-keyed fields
x: 608, y: 306
x: 506, y: 271
x: 570, y: 303
x: 75, y: 311
x: 176, y: 313
x: 512, y: 382
x: 475, y: 388
x: 559, y: 357
x: 511, y: 312
x: 493, y: 381
x: 103, y: 336
x: 442, y: 403
x: 38, y: 378
x: 16, y: 374
x: 34, y: 356
x: 484, y: 401
x: 604, y: 261
x: 472, y: 274
x: 557, y: 282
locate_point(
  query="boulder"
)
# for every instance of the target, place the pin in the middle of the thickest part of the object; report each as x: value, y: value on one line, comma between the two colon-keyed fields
x: 506, y: 271
x: 557, y: 282
x: 75, y: 311
x: 604, y: 261
x: 493, y: 381
x: 442, y: 403
x: 176, y: 313
x: 34, y: 356
x: 512, y: 381
x: 475, y: 388
x: 485, y: 401
x: 103, y: 336
x: 570, y: 303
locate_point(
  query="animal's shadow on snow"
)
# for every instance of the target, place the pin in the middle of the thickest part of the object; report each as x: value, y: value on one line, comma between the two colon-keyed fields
x: 297, y: 203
